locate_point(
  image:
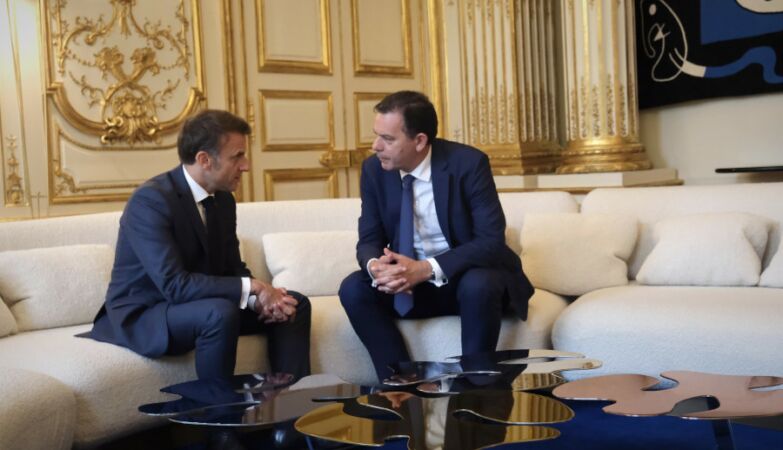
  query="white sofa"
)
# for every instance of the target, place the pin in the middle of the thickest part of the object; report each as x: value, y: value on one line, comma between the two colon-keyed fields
x: 648, y: 329
x: 97, y: 387
x: 86, y: 393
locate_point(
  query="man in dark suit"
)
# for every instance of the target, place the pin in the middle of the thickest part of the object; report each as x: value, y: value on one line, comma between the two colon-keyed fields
x: 447, y: 256
x: 178, y: 282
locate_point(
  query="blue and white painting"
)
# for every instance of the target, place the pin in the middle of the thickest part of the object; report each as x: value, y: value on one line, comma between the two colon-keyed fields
x: 697, y: 49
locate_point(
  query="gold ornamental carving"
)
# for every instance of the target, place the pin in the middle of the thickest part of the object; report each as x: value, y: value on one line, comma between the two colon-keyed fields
x: 127, y: 73
x: 14, y: 191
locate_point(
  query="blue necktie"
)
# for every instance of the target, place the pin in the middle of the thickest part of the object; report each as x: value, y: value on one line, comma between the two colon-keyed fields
x: 403, y: 302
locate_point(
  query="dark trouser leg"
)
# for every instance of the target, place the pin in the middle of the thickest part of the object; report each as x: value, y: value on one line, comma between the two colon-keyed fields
x: 211, y: 326
x: 372, y: 316
x: 480, y: 293
x: 288, y: 343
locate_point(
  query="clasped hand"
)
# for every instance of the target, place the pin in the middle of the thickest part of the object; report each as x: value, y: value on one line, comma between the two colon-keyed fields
x: 394, y: 273
x: 273, y: 305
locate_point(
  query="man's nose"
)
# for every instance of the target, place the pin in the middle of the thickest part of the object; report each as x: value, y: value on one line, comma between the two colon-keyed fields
x: 377, y: 145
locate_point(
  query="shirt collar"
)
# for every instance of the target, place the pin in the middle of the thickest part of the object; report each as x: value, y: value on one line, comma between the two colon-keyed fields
x: 199, y: 193
x: 423, y: 171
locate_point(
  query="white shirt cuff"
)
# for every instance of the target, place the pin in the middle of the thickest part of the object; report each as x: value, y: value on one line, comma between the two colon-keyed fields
x: 369, y: 272
x: 245, y: 299
x: 440, y: 277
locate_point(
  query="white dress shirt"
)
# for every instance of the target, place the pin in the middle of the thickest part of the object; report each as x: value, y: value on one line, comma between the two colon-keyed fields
x: 199, y: 194
x: 428, y: 238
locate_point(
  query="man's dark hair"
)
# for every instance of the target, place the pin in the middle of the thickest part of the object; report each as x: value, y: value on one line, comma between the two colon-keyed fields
x: 207, y: 131
x: 418, y: 113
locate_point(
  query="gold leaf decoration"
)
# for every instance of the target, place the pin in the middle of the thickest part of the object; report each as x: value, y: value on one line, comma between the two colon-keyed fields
x: 115, y: 65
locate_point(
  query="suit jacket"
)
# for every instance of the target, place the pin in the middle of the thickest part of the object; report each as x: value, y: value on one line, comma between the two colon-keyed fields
x: 161, y: 259
x: 468, y: 210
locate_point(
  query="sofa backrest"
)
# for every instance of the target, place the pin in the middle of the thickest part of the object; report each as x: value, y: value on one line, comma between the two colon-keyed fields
x: 100, y: 228
x: 254, y: 220
x: 652, y: 204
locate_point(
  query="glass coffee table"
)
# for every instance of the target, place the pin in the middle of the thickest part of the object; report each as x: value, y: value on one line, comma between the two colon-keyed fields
x: 478, y: 401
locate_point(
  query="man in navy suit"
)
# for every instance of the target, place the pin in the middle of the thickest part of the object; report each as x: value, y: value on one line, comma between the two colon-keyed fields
x: 460, y: 263
x: 178, y: 282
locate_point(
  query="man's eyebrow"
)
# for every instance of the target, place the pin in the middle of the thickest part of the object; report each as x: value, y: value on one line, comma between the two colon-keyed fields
x: 385, y: 136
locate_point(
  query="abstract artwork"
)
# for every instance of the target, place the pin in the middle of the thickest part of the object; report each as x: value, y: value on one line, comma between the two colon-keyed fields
x: 688, y: 50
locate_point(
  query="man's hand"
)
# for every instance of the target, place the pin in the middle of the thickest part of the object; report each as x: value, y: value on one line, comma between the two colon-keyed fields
x: 396, y: 273
x: 273, y: 304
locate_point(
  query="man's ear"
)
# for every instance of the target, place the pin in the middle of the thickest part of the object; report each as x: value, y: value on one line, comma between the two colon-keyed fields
x: 421, y: 142
x: 203, y: 159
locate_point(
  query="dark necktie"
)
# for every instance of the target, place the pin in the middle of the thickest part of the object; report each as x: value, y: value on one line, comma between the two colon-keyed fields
x: 403, y: 302
x: 214, y: 247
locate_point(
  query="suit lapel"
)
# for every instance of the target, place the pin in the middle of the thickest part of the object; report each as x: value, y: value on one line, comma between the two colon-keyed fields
x: 440, y: 186
x: 188, y: 204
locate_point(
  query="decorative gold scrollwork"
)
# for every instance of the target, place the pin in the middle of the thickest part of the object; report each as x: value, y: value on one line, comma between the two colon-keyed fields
x: 129, y: 100
x: 65, y: 181
x: 14, y: 193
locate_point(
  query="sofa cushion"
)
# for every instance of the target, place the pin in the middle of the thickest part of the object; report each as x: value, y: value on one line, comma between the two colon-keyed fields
x: 712, y: 249
x: 572, y: 254
x: 55, y: 286
x: 650, y: 329
x: 109, y: 381
x: 311, y: 262
x: 7, y: 321
x: 38, y: 412
x: 773, y: 274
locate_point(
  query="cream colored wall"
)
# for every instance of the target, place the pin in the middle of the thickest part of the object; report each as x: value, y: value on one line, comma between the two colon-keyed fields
x: 697, y: 137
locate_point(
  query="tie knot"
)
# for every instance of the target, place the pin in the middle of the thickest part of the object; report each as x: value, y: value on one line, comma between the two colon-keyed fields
x: 208, y: 202
x: 407, y: 181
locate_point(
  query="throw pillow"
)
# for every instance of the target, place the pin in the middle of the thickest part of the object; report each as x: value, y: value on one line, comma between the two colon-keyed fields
x: 311, y: 262
x: 773, y: 274
x: 571, y: 254
x: 7, y: 321
x: 712, y: 249
x: 55, y: 286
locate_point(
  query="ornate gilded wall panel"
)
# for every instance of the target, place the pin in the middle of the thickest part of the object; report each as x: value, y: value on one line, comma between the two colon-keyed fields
x: 381, y: 46
x: 297, y: 184
x: 100, y: 175
x: 600, y: 83
x: 282, y: 113
x: 309, y: 21
x: 14, y: 167
x: 121, y: 77
x: 122, y: 70
x: 363, y: 104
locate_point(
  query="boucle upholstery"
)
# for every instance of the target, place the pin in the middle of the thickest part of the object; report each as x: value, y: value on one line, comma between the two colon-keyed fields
x: 38, y: 412
x: 711, y: 249
x: 773, y: 274
x: 7, y: 320
x: 109, y: 382
x: 71, y: 292
x: 651, y: 329
x: 650, y: 205
x: 571, y: 254
x: 311, y: 262
x: 117, y: 380
x: 644, y: 329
